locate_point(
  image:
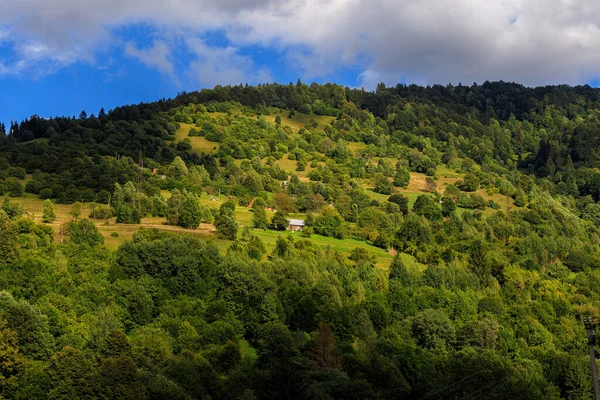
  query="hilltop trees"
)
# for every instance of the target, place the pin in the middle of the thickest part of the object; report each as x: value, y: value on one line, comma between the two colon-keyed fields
x: 489, y: 284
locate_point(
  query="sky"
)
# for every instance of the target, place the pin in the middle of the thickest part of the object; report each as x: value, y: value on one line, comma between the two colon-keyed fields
x: 60, y: 57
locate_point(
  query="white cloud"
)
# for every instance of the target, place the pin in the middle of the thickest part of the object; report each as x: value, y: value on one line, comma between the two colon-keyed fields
x: 530, y: 41
x: 223, y: 66
x: 157, y: 56
x: 35, y: 60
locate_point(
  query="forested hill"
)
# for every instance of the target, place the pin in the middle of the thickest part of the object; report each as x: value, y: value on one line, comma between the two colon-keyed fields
x: 445, y: 245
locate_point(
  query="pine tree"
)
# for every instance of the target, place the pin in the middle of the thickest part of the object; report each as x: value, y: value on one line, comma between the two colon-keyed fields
x: 398, y: 271
x: 75, y: 211
x: 48, y: 214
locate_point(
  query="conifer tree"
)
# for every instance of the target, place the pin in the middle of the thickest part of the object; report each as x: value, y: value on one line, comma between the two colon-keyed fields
x: 48, y: 214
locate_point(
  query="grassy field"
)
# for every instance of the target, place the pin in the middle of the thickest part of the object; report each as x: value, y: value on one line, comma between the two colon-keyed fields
x: 33, y: 207
x: 199, y: 144
x: 299, y: 120
x: 446, y: 176
x: 383, y: 259
x: 354, y: 146
x: 108, y: 228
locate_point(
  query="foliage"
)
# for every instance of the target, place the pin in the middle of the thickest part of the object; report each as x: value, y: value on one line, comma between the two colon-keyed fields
x: 48, y: 214
x: 279, y: 221
x: 83, y: 232
x: 483, y: 298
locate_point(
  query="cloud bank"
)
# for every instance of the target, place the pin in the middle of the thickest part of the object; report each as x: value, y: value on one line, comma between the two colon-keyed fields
x: 426, y: 41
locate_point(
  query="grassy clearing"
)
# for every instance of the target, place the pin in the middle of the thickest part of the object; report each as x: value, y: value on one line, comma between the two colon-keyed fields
x: 199, y: 144
x: 355, y: 146
x: 299, y: 120
x: 108, y: 229
x: 287, y: 165
x: 345, y: 246
x: 33, y: 207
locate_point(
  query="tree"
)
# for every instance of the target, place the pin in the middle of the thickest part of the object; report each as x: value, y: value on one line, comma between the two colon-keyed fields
x: 330, y: 223
x: 177, y: 170
x: 9, y: 235
x: 12, y: 362
x: 227, y: 209
x: 226, y: 227
x: 433, y: 329
x: 279, y: 221
x: 48, y: 214
x: 382, y: 185
x: 191, y: 213
x: 259, y: 216
x: 13, y: 209
x: 30, y: 325
x: 14, y: 188
x: 118, y: 378
x: 84, y: 232
x: 520, y: 198
x: 71, y: 375
x: 401, y: 200
x: 402, y: 177
x: 174, y: 205
x: 322, y: 351
x: 225, y: 222
x: 283, y: 202
x: 470, y: 183
x: 75, y: 211
x: 398, y: 271
x: 426, y: 206
x: 431, y: 184
x: 448, y: 206
x: 45, y: 193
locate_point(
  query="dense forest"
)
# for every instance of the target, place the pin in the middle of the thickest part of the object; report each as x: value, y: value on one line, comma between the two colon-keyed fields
x: 470, y: 216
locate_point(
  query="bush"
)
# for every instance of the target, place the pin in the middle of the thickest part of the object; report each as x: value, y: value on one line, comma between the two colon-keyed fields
x: 279, y: 221
x: 470, y: 183
x: 101, y: 213
x: 83, y: 232
x: 45, y: 194
x: 473, y: 202
x: 402, y: 177
x: 14, y: 188
x: 33, y: 187
x: 401, y: 200
x: 13, y: 209
x: 330, y: 223
x: 426, y: 206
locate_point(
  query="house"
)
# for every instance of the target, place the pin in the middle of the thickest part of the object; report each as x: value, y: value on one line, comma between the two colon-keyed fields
x: 295, y: 224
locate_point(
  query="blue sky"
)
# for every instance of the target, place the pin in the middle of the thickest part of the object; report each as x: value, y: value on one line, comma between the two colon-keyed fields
x: 64, y: 56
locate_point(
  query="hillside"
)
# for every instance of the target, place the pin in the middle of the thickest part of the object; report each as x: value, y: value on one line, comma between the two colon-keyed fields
x: 451, y: 240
